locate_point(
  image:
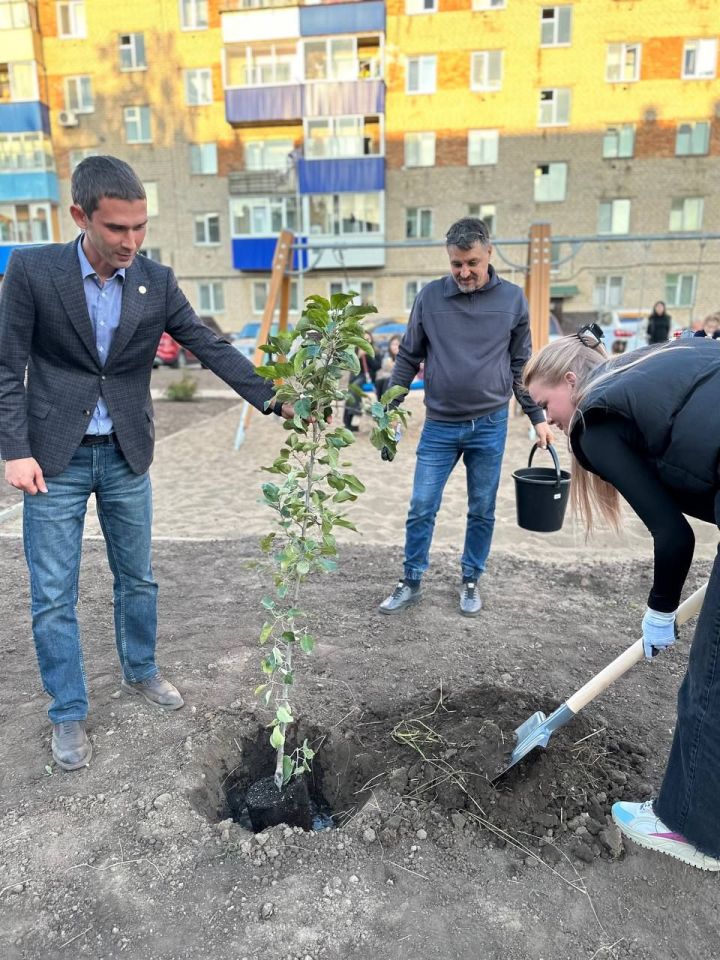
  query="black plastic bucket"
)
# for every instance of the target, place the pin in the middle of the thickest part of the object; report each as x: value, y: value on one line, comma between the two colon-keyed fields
x: 541, y: 494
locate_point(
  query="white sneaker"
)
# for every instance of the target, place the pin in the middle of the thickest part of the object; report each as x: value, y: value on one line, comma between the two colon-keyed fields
x: 639, y: 822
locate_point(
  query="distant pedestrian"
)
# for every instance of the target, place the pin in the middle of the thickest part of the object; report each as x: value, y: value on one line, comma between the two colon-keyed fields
x: 382, y: 380
x: 710, y: 327
x: 658, y: 326
x: 369, y: 366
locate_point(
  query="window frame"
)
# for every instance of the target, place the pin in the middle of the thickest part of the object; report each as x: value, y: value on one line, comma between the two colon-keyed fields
x: 694, y: 125
x: 479, y: 215
x: 410, y: 4
x: 194, y: 148
x: 205, y: 219
x: 336, y: 213
x: 556, y: 8
x: 623, y: 47
x: 356, y: 283
x: 672, y: 301
x: 683, y: 201
x: 293, y: 305
x: 555, y: 100
x: 495, y: 140
x: 615, y: 212
x: 698, y: 41
x: 78, y: 25
x: 484, y: 85
x: 266, y: 203
x: 550, y: 164
x: 607, y: 287
x: 132, y: 47
x: 416, y: 214
x: 195, y: 6
x: 428, y: 59
x: 620, y: 128
x: 211, y: 285
x: 421, y: 138
x: 206, y: 74
x: 78, y: 80
x: 138, y: 121
x: 419, y: 283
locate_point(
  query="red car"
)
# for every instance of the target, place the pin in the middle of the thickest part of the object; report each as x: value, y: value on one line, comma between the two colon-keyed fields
x: 171, y: 354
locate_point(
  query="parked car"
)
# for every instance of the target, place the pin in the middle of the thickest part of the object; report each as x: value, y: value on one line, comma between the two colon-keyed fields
x: 246, y: 340
x: 171, y: 354
x: 624, y: 330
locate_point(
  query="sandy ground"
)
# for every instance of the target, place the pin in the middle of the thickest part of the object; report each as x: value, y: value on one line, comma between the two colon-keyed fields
x: 136, y: 856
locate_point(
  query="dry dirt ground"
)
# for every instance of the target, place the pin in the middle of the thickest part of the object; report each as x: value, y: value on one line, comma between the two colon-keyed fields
x: 137, y: 856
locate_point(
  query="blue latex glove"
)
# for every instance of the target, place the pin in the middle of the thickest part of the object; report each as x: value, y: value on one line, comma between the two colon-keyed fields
x: 659, y: 631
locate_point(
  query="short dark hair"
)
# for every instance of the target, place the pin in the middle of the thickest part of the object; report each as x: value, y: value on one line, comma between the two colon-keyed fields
x: 98, y: 177
x: 466, y: 232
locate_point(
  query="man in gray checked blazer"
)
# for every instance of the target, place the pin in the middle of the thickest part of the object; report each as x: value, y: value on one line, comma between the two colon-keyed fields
x: 84, y: 320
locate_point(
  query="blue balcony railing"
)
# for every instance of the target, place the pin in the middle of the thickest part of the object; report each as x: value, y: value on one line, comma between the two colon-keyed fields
x: 23, y: 187
x: 24, y: 117
x: 347, y: 175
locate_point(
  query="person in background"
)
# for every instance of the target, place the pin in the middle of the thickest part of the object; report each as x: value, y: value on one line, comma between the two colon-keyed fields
x: 638, y: 427
x: 658, y: 325
x: 382, y: 380
x: 369, y: 366
x: 472, y: 330
x: 710, y: 327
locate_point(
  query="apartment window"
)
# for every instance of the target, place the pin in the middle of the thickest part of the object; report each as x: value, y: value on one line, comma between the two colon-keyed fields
x: 17, y: 13
x: 482, y: 147
x: 207, y: 229
x: 412, y: 289
x: 151, y: 196
x: 79, y: 94
x: 71, y: 19
x: 619, y: 141
x: 203, y: 158
x: 132, y: 51
x: 680, y: 289
x: 699, y: 59
x: 18, y: 81
x: 262, y: 216
x: 211, y: 296
x: 420, y: 76
x: 76, y: 157
x: 488, y: 4
x: 25, y: 223
x: 194, y: 14
x: 686, y: 213
x: 486, y: 70
x: 623, y: 62
x: 268, y: 154
x: 420, y: 6
x: 25, y: 152
x: 608, y: 291
x: 334, y: 58
x: 419, y: 149
x: 554, y: 108
x: 151, y: 253
x: 198, y: 87
x: 486, y: 212
x: 418, y: 223
x: 261, y: 64
x: 137, y: 125
x: 365, y: 289
x: 692, y: 139
x: 614, y: 216
x: 342, y: 214
x: 555, y: 26
x: 550, y: 182
x: 351, y: 136
x: 260, y: 290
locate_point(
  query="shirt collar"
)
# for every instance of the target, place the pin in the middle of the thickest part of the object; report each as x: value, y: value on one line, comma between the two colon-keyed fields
x: 86, y: 267
x: 451, y: 289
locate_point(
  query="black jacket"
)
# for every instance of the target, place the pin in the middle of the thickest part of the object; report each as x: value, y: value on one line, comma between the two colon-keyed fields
x: 658, y: 328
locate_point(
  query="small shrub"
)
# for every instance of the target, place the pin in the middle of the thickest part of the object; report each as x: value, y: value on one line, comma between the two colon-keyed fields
x: 183, y: 390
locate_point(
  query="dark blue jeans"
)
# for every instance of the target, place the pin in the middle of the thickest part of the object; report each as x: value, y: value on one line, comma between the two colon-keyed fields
x: 689, y: 799
x: 52, y: 529
x: 481, y: 444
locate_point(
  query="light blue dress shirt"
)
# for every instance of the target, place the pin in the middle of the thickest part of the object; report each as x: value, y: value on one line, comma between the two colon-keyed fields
x: 104, y: 302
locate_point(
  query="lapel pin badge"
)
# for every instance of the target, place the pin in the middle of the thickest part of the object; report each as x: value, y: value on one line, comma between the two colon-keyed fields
x: 142, y: 289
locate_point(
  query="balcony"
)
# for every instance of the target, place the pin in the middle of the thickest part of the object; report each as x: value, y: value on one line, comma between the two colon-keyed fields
x: 346, y: 175
x: 29, y: 186
x: 256, y: 254
x: 292, y: 101
x: 248, y: 21
x: 258, y: 183
x: 24, y: 116
x: 354, y: 17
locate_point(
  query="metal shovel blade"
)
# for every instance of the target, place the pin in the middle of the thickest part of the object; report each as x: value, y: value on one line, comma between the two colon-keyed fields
x: 535, y: 733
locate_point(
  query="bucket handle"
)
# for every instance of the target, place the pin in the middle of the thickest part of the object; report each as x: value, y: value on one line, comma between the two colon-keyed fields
x: 553, y: 453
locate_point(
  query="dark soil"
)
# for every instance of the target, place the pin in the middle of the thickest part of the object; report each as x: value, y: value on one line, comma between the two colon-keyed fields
x: 139, y: 855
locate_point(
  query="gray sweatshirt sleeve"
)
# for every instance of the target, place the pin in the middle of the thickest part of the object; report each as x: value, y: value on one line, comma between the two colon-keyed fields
x: 411, y: 352
x: 520, y: 351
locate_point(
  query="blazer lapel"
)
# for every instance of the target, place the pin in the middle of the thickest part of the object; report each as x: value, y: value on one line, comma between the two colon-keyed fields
x: 134, y: 296
x: 69, y: 284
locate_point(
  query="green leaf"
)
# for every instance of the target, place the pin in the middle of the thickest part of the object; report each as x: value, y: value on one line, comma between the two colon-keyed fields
x: 307, y: 643
x: 307, y: 751
x: 267, y: 542
x: 342, y: 496
x: 271, y: 492
x: 288, y: 768
x: 268, y: 603
x: 283, y: 715
x: 343, y: 522
x: 392, y: 393
x: 352, y: 481
x: 265, y: 632
x: 277, y: 740
x: 303, y: 568
x: 261, y: 689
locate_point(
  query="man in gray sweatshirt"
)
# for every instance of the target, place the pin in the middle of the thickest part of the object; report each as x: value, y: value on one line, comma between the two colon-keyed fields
x: 472, y: 330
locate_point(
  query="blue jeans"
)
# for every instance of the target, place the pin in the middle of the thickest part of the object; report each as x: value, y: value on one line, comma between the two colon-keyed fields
x: 52, y: 530
x: 688, y: 801
x: 481, y: 444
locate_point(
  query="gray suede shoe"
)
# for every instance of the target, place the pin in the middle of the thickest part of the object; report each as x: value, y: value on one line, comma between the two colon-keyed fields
x: 157, y: 691
x: 402, y: 596
x: 470, y: 602
x: 71, y: 748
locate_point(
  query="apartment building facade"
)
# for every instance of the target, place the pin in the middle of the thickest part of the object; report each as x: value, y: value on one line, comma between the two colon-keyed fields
x: 366, y: 127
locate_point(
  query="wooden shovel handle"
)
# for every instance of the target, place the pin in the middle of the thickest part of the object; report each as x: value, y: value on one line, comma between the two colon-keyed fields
x: 620, y: 665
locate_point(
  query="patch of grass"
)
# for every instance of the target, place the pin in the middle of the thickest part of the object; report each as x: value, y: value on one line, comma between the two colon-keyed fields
x: 183, y: 390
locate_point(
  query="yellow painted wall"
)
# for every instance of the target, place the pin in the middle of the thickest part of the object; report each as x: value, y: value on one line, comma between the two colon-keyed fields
x: 452, y: 35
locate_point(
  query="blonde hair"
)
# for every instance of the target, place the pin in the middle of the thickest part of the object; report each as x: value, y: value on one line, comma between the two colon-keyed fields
x: 549, y: 365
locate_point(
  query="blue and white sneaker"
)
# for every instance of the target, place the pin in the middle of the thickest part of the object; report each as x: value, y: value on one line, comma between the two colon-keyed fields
x: 638, y: 822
